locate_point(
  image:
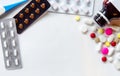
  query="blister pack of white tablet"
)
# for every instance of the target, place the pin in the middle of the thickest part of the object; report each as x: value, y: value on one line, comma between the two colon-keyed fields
x: 10, y: 44
x: 76, y: 7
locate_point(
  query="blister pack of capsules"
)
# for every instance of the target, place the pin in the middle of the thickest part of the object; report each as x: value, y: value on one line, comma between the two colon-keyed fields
x: 10, y: 44
x: 30, y: 13
x: 76, y: 7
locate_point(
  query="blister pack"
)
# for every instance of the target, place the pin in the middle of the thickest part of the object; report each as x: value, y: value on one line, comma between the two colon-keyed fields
x: 10, y: 44
x: 77, y: 7
x: 30, y: 13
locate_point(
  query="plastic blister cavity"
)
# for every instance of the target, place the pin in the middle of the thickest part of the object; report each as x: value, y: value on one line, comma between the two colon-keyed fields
x: 77, y: 7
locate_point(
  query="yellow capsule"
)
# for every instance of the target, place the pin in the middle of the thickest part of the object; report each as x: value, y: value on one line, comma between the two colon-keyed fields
x: 118, y: 35
x: 100, y: 31
x: 77, y: 18
x: 107, y: 43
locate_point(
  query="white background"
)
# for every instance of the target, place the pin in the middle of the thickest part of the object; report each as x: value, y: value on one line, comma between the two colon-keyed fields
x: 54, y: 46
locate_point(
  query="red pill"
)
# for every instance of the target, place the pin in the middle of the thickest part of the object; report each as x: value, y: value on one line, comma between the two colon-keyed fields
x: 92, y: 35
x: 104, y: 59
x: 113, y: 43
x: 105, y: 2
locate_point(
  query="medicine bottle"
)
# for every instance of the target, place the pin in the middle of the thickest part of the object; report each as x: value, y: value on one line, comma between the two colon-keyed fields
x: 109, y: 11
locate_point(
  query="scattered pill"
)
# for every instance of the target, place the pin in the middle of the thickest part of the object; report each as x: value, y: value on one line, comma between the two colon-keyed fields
x: 111, y: 51
x: 110, y: 59
x: 104, y: 59
x: 84, y: 29
x: 103, y: 38
x: 104, y: 51
x: 97, y: 40
x: 118, y: 35
x: 89, y: 22
x: 92, y: 35
x: 100, y: 31
x: 77, y: 18
x: 93, y: 28
x: 108, y: 31
x: 117, y: 48
x: 110, y: 38
x: 107, y: 43
x: 116, y: 40
x: 98, y: 47
x: 113, y: 43
x: 117, y: 64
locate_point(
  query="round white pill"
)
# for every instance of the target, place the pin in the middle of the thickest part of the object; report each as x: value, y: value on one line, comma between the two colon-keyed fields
x: 84, y: 29
x: 93, y: 28
x: 55, y: 6
x: 75, y: 9
x: 110, y: 38
x: 110, y: 59
x: 89, y: 22
x: 102, y: 38
x: 65, y: 8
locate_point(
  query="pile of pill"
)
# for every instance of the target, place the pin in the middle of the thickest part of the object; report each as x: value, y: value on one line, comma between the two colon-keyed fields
x: 107, y: 41
x: 80, y: 7
x: 10, y: 44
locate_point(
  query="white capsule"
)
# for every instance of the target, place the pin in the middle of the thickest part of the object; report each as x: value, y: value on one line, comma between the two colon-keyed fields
x: 110, y: 38
x: 98, y: 47
x: 111, y: 51
x: 102, y: 38
x: 16, y: 62
x: 11, y: 24
x: 12, y: 33
x: 110, y: 59
x: 14, y: 43
x: 6, y: 53
x: 5, y: 44
x: 117, y: 48
x: 2, y: 25
x: 15, y: 52
x: 8, y: 63
x: 3, y: 35
x: 117, y: 64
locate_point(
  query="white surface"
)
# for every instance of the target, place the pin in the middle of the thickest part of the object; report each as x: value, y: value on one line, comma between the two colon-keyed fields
x: 54, y: 46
